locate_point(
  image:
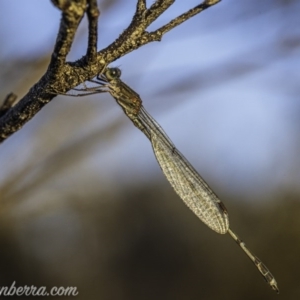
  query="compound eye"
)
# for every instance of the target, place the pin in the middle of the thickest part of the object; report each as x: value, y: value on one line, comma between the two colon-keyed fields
x: 113, y: 73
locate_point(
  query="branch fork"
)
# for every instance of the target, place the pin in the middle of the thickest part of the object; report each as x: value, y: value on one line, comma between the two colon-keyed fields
x: 61, y: 76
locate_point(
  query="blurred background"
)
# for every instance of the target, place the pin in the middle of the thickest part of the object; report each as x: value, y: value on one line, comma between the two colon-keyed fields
x: 83, y: 200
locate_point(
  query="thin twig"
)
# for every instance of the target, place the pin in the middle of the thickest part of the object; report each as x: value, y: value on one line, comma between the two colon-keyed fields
x: 71, y: 17
x: 189, y: 14
x: 156, y: 9
x: 157, y: 34
x: 8, y: 102
x: 141, y: 6
x: 93, y: 14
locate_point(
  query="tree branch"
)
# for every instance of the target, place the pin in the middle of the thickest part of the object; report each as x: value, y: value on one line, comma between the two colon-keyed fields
x: 8, y: 102
x: 73, y: 12
x: 157, y: 8
x: 61, y: 76
x: 93, y: 14
x: 182, y: 18
x: 141, y: 6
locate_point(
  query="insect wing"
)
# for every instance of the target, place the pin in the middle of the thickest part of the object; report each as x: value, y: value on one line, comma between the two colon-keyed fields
x: 185, y: 180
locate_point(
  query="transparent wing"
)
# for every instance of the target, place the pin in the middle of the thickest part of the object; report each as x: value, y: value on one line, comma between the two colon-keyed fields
x: 185, y: 180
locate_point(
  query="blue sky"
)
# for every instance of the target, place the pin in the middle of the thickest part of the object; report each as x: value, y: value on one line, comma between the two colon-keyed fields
x: 234, y: 74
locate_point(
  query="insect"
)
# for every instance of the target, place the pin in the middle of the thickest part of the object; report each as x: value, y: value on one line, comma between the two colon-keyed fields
x: 185, y: 180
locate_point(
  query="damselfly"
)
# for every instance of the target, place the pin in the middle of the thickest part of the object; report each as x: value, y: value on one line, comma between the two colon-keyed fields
x: 185, y: 180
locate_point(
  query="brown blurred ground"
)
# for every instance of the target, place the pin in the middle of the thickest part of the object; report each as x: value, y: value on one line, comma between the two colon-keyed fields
x: 145, y: 244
